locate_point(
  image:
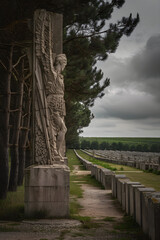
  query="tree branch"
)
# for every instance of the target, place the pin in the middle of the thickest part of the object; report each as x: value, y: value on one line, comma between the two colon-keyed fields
x: 19, y: 60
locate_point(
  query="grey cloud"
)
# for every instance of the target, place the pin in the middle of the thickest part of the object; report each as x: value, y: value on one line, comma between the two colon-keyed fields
x: 127, y: 106
x: 145, y: 68
x: 132, y: 101
x: 147, y: 63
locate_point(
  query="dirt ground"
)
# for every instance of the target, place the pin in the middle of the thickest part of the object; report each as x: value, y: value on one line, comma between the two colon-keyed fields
x: 96, y: 203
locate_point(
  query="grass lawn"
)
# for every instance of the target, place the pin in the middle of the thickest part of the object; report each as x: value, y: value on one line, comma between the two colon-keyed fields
x: 12, y: 208
x: 147, y: 179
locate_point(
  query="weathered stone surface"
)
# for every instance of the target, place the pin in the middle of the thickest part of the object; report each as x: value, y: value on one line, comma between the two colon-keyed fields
x: 139, y: 203
x: 114, y: 183
x: 48, y: 128
x: 47, y: 190
x: 106, y: 178
x: 132, y: 198
x: 127, y: 185
x: 124, y: 181
x: 154, y: 217
x: 148, y: 214
x: 120, y: 189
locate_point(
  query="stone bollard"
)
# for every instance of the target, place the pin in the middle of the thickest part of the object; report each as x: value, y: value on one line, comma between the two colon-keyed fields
x: 139, y: 202
x: 148, y: 223
x: 132, y: 198
x: 154, y: 217
x: 114, y: 183
x: 107, y: 178
x: 120, y: 189
x: 124, y: 193
x: 127, y: 185
x: 93, y: 170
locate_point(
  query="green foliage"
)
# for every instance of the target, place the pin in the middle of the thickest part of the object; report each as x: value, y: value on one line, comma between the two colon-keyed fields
x: 122, y: 144
x: 84, y: 30
x: 128, y: 224
x: 7, y: 229
x: 94, y: 145
x: 74, y: 207
x: 75, y: 189
x: 12, y: 208
x: 85, y: 144
x: 72, y: 159
x: 109, y: 219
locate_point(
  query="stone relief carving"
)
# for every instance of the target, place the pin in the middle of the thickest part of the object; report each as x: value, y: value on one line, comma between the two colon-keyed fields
x: 49, y: 125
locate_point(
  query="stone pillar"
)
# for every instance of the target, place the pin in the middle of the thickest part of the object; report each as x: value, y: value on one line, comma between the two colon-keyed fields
x: 47, y: 181
x: 47, y: 191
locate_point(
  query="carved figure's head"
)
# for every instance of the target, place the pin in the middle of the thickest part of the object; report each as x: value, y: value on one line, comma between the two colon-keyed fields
x: 60, y: 62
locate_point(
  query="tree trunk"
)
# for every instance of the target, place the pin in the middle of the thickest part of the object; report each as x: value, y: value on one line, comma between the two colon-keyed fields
x: 23, y: 139
x: 13, y: 181
x: 4, y: 123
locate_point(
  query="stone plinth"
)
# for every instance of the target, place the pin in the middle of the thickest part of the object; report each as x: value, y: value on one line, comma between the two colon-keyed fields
x: 139, y: 203
x: 47, y: 190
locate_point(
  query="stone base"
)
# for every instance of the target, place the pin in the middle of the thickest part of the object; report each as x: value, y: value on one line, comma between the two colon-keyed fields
x: 47, y: 190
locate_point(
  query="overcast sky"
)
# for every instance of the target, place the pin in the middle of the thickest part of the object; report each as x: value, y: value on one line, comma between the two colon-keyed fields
x: 131, y: 105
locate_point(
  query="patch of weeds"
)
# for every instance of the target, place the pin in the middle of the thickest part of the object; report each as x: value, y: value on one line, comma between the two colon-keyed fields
x: 109, y: 219
x: 75, y: 189
x: 74, y: 207
x: 12, y: 208
x: 121, y: 169
x: 157, y: 172
x: 88, y: 179
x: 128, y: 224
x: 38, y: 215
x: 88, y: 225
x: 15, y: 213
x: 82, y: 219
x: 13, y: 224
x: 78, y: 234
x: 7, y: 229
x: 62, y: 234
x: 87, y: 222
x: 72, y: 159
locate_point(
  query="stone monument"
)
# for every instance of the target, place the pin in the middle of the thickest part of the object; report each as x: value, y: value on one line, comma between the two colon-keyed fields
x: 47, y: 181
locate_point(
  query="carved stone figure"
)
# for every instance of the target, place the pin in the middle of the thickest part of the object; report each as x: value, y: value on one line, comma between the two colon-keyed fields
x: 56, y: 104
x: 49, y: 104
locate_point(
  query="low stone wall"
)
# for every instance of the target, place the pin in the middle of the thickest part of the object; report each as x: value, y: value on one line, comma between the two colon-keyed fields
x: 142, y: 203
x: 139, y: 160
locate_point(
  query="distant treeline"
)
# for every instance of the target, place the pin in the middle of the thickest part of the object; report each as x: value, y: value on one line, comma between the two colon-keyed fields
x: 124, y: 144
